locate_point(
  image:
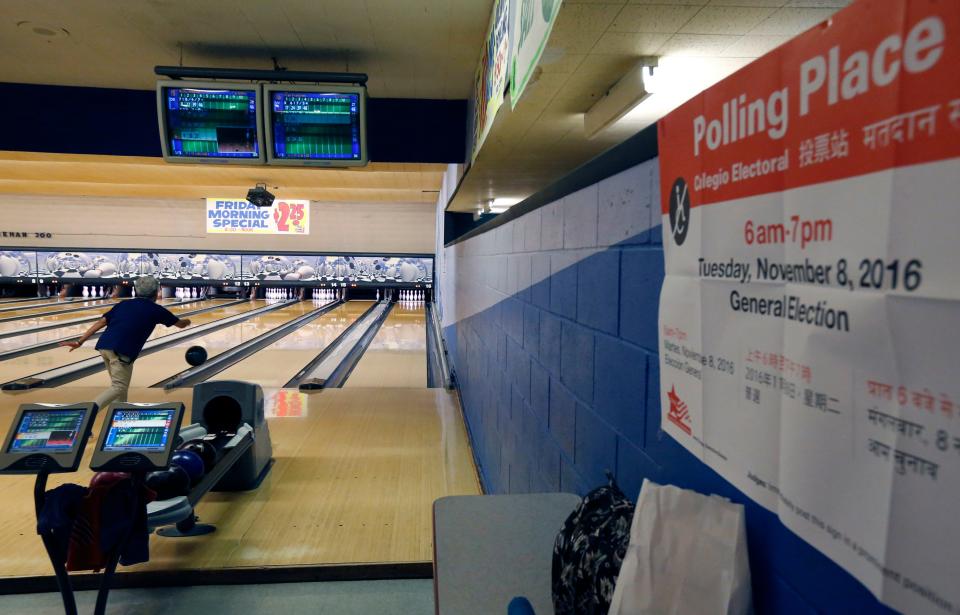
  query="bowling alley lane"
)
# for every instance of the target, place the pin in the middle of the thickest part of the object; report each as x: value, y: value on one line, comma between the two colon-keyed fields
x: 54, y: 308
x: 397, y: 356
x: 276, y: 364
x: 36, y: 320
x: 354, y: 478
x: 21, y: 367
x: 28, y: 339
x: 152, y: 368
x: 27, y: 301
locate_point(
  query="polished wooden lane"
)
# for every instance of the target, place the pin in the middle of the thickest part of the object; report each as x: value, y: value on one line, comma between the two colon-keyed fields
x: 397, y: 356
x: 276, y: 364
x: 355, y: 475
x: 28, y: 338
x: 25, y: 301
x: 152, y: 368
x: 53, y: 309
x: 56, y: 357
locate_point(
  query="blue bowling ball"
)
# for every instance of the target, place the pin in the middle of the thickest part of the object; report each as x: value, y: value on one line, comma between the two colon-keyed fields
x: 191, y: 462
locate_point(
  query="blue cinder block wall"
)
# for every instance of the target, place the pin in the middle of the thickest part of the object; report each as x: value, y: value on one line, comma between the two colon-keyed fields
x: 551, y: 323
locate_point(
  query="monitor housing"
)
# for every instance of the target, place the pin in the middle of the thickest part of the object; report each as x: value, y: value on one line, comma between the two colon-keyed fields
x: 47, y: 437
x: 170, y: 90
x: 349, y: 145
x: 137, y: 437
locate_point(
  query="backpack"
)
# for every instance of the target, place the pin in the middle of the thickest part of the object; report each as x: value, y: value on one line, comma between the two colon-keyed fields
x: 589, y: 550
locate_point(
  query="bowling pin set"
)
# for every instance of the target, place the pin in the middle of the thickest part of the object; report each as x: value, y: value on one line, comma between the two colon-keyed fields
x: 412, y: 296
x: 323, y: 295
x: 280, y: 294
x: 95, y: 291
x: 188, y: 293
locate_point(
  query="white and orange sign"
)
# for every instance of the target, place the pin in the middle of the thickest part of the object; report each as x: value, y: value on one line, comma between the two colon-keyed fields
x: 810, y: 315
x: 236, y: 215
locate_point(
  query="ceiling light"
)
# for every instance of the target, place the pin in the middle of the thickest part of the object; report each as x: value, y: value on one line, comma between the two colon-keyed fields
x: 675, y: 80
x: 627, y: 93
x: 504, y: 201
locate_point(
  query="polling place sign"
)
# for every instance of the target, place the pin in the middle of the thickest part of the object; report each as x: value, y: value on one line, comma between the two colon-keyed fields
x: 809, y: 324
x: 234, y: 215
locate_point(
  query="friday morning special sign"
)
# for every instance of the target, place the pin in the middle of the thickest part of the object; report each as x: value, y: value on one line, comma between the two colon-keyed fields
x: 809, y: 324
x: 284, y: 217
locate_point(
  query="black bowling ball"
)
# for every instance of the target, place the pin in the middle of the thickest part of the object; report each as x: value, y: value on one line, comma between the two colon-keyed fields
x: 196, y: 355
x: 205, y: 450
x: 169, y: 483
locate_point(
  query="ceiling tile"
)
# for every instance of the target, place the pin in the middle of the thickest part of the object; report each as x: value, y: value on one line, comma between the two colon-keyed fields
x: 653, y: 18
x: 670, y: 2
x: 697, y: 44
x: 726, y: 20
x: 774, y: 4
x: 541, y: 89
x: 586, y: 17
x: 427, y: 36
x: 556, y: 60
x: 574, y: 41
x: 600, y: 72
x: 792, y: 21
x: 836, y: 4
x: 755, y: 45
x: 562, y: 104
x: 639, y: 43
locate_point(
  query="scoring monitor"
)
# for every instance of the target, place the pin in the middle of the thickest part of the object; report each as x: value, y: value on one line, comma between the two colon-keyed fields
x: 316, y: 125
x: 210, y: 122
x: 137, y: 436
x: 50, y: 436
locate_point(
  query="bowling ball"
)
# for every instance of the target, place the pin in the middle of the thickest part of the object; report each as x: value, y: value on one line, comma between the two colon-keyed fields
x: 206, y: 451
x: 105, y: 479
x: 196, y: 355
x: 169, y: 483
x: 191, y: 462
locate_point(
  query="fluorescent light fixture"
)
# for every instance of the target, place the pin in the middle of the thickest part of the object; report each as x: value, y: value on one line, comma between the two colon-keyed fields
x: 676, y: 80
x: 504, y: 201
x: 645, y: 95
x: 630, y: 91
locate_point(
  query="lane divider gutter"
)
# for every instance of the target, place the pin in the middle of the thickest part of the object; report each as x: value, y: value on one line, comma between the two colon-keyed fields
x: 303, y: 375
x: 345, y: 368
x: 41, y: 346
x: 222, y: 361
x: 73, y: 371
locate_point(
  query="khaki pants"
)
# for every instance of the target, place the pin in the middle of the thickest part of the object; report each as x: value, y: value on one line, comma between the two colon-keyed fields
x: 120, y: 374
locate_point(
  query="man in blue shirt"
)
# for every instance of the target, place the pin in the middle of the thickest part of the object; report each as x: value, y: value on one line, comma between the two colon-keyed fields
x: 129, y: 325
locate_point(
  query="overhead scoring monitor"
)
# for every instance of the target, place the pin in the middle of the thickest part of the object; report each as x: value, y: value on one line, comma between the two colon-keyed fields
x: 316, y: 125
x: 210, y: 122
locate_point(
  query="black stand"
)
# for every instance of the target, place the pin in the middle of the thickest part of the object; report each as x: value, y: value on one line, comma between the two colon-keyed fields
x: 103, y: 594
x: 57, y: 554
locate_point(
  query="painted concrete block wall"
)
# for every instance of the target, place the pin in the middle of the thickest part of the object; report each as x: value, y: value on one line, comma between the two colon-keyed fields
x: 551, y: 324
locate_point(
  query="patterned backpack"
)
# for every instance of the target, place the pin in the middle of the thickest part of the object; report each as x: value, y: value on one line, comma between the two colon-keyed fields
x: 589, y: 550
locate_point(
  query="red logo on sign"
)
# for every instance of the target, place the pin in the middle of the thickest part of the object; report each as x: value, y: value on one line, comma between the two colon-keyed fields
x: 287, y: 215
x: 678, y: 414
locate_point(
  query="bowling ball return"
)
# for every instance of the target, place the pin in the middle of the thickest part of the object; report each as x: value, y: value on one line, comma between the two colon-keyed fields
x: 50, y: 438
x: 228, y: 417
